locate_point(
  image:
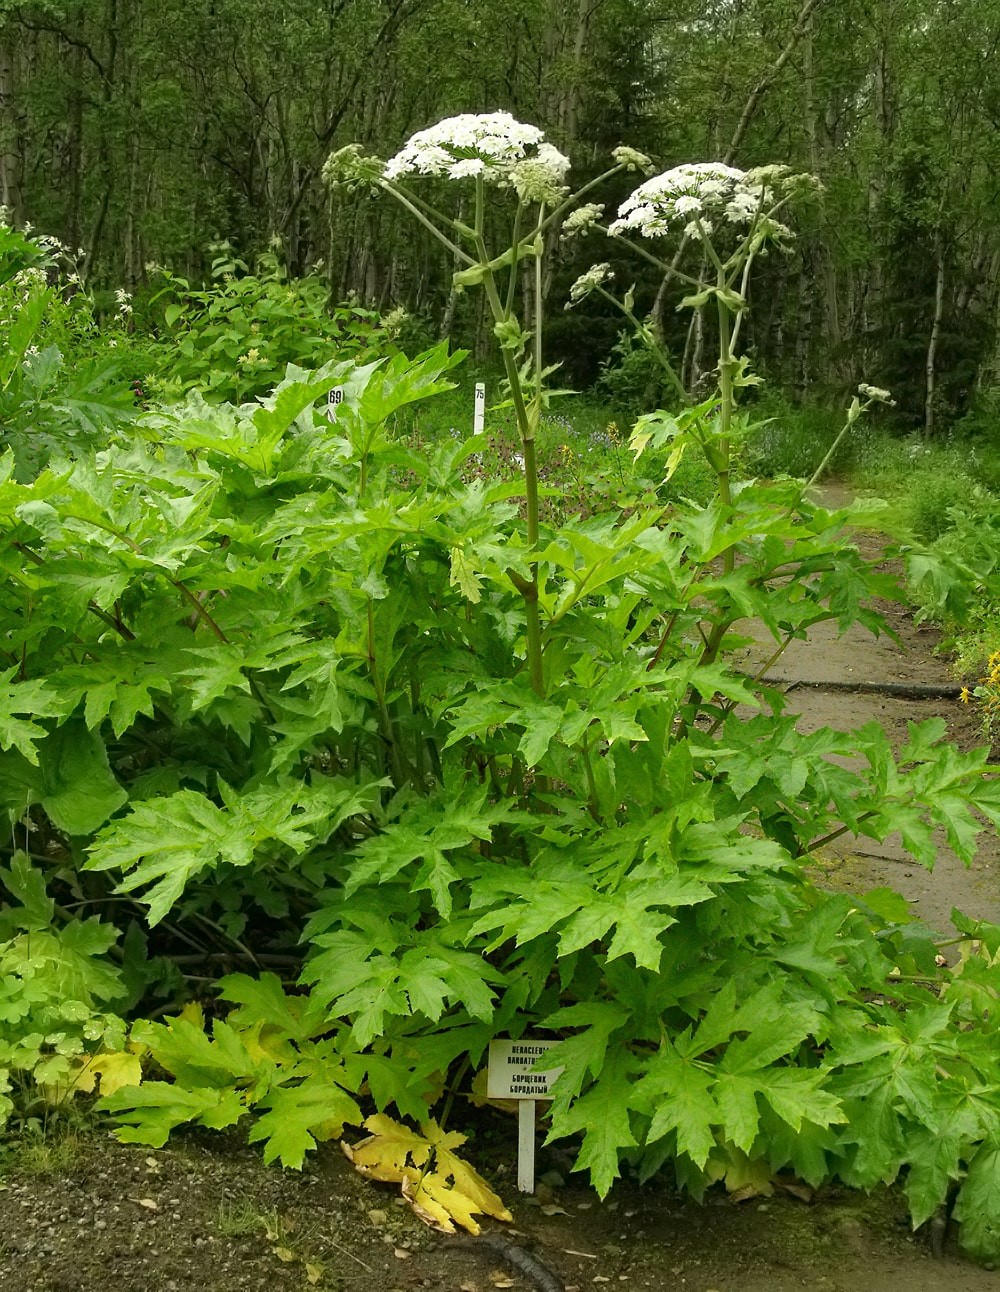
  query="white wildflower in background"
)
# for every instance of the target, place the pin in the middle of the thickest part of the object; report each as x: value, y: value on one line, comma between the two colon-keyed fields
x: 588, y: 282
x: 876, y: 393
x: 493, y: 139
x: 393, y: 322
x: 632, y: 159
x: 698, y: 229
x: 124, y: 301
x: 582, y: 219
x: 351, y: 169
x: 744, y: 205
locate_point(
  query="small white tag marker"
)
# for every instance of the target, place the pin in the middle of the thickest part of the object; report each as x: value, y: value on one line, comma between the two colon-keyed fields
x: 479, y: 410
x: 334, y: 398
x: 510, y: 1076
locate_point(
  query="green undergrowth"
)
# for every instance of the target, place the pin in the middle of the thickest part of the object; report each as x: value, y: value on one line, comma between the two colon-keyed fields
x: 585, y: 463
x: 268, y: 709
x: 320, y: 776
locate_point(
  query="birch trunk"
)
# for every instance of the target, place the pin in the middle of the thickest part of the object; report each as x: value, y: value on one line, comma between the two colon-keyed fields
x: 930, y: 365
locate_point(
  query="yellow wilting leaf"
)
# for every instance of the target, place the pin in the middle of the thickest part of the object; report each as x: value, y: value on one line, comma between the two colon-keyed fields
x: 744, y: 1178
x: 439, y: 1186
x: 674, y: 461
x: 384, y: 1154
x: 194, y: 1014
x: 284, y: 1254
x: 439, y: 1202
x: 116, y: 1071
x: 314, y: 1273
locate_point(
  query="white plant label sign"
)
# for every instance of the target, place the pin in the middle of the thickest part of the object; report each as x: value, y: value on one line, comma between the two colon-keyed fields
x: 509, y: 1075
x: 334, y: 398
x: 479, y: 409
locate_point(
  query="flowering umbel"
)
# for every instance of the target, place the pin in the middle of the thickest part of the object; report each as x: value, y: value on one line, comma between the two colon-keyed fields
x: 589, y: 282
x: 697, y: 196
x: 352, y: 169
x: 582, y: 219
x: 492, y: 145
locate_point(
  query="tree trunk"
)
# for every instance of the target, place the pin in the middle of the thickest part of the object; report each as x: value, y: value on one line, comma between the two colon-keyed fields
x: 932, y: 343
x: 11, y: 147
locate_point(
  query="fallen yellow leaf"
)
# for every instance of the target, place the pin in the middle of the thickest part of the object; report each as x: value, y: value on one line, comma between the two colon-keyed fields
x: 439, y: 1186
x: 384, y: 1154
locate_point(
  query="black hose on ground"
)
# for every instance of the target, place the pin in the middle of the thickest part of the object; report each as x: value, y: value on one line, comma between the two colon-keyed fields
x: 904, y: 690
x: 516, y: 1258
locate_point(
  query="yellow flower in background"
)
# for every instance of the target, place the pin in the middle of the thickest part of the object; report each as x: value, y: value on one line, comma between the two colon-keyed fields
x: 965, y: 695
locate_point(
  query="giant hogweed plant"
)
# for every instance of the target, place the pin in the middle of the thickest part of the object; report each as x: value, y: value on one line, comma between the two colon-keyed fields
x: 493, y: 777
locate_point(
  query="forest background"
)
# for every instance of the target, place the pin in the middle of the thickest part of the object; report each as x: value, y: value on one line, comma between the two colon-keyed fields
x: 142, y: 134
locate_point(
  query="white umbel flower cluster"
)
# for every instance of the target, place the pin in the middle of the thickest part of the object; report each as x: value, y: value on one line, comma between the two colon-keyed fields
x: 582, y: 219
x: 492, y: 144
x: 697, y: 196
x: 589, y: 282
x: 876, y: 393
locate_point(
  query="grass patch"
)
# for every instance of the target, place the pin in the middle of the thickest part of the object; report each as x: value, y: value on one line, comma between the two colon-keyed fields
x: 41, y: 1154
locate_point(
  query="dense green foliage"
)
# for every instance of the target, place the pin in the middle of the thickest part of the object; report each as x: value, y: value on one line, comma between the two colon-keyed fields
x: 266, y: 707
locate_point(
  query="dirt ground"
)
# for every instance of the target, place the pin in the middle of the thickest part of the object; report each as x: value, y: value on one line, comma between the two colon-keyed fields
x: 204, y: 1215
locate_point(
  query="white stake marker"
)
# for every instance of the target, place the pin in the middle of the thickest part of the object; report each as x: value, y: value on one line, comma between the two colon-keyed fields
x: 510, y: 1076
x: 479, y: 410
x: 333, y: 398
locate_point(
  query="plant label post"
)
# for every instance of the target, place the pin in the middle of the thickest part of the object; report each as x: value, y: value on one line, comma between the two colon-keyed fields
x: 479, y: 409
x: 334, y: 398
x: 511, y: 1075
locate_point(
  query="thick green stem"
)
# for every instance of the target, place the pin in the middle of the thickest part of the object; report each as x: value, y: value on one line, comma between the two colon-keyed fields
x: 526, y: 423
x: 829, y: 455
x: 516, y: 262
x: 725, y: 418
x: 400, y: 773
x: 592, y: 803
